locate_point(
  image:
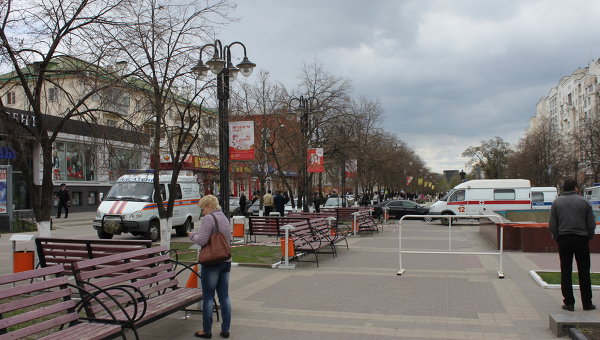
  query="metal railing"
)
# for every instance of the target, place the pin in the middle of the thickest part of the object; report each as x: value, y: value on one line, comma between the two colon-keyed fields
x: 450, y: 251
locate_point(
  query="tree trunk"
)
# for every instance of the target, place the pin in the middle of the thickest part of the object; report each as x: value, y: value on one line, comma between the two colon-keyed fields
x: 166, y: 227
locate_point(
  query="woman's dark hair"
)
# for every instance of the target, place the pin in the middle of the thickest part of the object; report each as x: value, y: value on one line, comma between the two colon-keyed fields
x: 569, y: 184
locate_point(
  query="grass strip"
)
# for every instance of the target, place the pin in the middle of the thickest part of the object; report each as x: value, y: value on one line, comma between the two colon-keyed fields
x: 244, y: 254
x: 554, y: 278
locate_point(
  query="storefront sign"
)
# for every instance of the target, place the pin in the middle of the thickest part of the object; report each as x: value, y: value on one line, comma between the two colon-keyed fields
x: 25, y: 118
x: 315, y: 162
x: 7, y: 153
x: 241, y: 141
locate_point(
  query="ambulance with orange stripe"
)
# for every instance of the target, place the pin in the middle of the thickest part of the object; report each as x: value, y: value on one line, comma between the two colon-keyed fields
x: 129, y: 206
x: 484, y: 196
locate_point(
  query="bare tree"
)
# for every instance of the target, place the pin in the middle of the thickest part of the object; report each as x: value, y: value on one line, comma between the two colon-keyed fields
x: 35, y: 37
x: 161, y: 45
x: 587, y: 139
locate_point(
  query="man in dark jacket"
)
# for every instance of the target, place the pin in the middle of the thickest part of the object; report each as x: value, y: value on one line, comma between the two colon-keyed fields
x: 279, y: 202
x: 63, y: 200
x: 573, y: 226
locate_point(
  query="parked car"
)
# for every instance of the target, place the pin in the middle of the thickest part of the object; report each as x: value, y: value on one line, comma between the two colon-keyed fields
x: 234, y: 206
x: 333, y: 202
x: 399, y: 208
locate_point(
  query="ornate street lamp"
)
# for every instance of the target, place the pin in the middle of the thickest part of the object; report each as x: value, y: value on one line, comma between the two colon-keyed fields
x: 220, y: 65
x: 305, y: 107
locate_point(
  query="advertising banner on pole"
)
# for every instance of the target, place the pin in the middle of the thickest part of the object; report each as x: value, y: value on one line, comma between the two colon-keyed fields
x: 409, y: 180
x: 241, y: 141
x: 314, y: 160
x: 351, y: 167
x: 4, y: 191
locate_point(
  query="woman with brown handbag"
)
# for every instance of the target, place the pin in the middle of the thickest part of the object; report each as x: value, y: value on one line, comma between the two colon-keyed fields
x: 214, y: 277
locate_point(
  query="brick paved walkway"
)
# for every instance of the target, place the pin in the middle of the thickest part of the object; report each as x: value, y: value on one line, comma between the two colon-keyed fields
x: 358, y: 295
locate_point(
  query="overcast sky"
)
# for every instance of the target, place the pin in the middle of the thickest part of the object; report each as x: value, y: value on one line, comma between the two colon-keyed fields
x: 448, y: 73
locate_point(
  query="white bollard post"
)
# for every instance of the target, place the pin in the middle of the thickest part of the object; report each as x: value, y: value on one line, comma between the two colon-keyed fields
x: 287, y: 264
x: 355, y: 224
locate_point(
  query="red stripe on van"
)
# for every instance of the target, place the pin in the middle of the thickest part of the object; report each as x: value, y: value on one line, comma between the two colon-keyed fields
x: 488, y: 202
x: 120, y: 210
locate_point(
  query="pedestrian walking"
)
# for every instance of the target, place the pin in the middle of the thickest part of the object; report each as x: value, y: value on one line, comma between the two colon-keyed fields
x: 279, y: 202
x: 243, y: 202
x: 268, y: 203
x: 572, y: 225
x: 213, y: 277
x: 63, y: 200
x: 317, y: 202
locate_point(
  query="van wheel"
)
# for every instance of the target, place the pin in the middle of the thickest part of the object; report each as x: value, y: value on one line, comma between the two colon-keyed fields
x: 183, y: 229
x: 153, y: 233
x: 427, y: 219
x: 445, y: 221
x: 104, y: 235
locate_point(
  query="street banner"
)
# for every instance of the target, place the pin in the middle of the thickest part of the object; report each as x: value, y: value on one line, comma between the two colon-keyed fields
x: 241, y: 141
x: 351, y: 168
x: 3, y: 191
x: 420, y: 181
x: 314, y: 160
x: 409, y: 180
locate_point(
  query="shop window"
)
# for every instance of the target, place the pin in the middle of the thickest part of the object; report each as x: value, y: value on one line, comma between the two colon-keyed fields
x: 120, y: 160
x: 92, y: 197
x: 76, y: 198
x: 73, y: 162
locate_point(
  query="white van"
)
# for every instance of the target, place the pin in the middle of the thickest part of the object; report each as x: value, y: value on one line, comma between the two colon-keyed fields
x: 129, y: 206
x: 542, y: 197
x: 484, y: 196
x: 592, y: 195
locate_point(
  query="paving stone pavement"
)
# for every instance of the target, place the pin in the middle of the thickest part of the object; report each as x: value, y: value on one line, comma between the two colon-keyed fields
x: 357, y: 295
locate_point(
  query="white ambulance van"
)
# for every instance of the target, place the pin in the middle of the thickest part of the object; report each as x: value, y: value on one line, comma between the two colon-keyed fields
x: 484, y: 196
x: 592, y: 195
x: 129, y: 206
x: 542, y: 197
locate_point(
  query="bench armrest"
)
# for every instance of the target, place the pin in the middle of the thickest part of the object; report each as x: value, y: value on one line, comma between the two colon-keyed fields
x: 88, y: 296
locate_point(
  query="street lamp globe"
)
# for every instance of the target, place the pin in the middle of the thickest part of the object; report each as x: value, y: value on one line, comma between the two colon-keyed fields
x: 200, y: 70
x: 246, y: 67
x: 216, y: 64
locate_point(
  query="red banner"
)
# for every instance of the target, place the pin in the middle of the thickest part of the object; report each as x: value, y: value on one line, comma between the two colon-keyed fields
x: 409, y: 179
x: 241, y: 141
x: 314, y: 160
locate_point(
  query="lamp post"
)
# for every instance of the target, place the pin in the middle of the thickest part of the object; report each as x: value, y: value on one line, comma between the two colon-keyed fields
x: 306, y: 107
x: 220, y: 64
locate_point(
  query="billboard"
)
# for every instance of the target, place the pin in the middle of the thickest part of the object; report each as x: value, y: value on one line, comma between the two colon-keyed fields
x: 241, y: 141
x: 314, y: 160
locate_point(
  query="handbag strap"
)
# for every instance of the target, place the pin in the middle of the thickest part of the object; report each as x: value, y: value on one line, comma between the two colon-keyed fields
x: 216, y: 223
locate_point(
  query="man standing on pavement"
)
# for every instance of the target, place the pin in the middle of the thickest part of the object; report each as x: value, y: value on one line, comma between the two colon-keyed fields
x: 279, y: 201
x: 63, y: 200
x: 268, y: 203
x: 572, y: 225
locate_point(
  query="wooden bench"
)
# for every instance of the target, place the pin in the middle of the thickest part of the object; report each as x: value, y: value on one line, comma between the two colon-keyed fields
x: 147, y: 279
x: 54, y: 251
x: 31, y: 308
x: 330, y: 230
x: 307, y: 241
x: 365, y: 222
x: 269, y: 225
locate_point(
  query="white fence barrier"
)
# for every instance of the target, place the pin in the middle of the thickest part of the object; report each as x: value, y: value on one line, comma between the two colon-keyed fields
x: 449, y: 251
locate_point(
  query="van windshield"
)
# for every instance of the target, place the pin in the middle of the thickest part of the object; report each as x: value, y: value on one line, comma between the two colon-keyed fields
x: 131, y: 191
x: 445, y: 198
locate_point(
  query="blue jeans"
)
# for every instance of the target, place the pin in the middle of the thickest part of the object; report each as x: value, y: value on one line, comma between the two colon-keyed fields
x: 213, y: 278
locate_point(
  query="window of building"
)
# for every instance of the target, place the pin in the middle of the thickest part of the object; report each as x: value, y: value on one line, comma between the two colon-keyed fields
x: 73, y: 162
x: 11, y: 98
x: 92, y: 197
x: 504, y: 194
x: 53, y: 94
x: 76, y: 198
